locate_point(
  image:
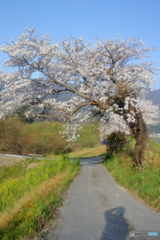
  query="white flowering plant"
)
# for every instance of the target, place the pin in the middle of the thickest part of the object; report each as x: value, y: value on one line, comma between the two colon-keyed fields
x: 76, y: 79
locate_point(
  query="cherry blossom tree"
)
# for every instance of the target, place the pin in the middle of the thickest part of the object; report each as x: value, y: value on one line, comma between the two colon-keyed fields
x: 79, y: 81
x: 116, y: 123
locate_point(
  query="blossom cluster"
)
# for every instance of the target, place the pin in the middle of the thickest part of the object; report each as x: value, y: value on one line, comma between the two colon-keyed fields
x: 76, y: 78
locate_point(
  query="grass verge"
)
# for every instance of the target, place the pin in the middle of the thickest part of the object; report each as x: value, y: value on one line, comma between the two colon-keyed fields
x: 29, y: 198
x: 142, y: 183
x: 88, y: 152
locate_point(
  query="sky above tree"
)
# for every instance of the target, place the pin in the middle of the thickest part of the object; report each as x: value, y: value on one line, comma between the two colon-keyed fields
x: 88, y: 19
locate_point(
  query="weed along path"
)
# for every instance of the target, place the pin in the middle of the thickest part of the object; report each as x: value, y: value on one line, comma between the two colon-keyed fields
x: 96, y: 208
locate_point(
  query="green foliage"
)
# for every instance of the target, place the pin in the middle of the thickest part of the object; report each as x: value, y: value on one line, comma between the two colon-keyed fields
x: 28, y: 199
x: 41, y: 137
x: 36, y: 138
x: 143, y: 183
x: 155, y: 145
x: 15, y: 186
x: 16, y: 171
x: 115, y: 141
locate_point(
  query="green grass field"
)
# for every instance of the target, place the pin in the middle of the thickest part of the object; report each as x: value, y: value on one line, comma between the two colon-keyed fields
x: 88, y: 152
x: 30, y: 191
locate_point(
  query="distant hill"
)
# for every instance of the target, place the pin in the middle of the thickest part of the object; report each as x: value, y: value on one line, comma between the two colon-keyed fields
x: 154, y: 96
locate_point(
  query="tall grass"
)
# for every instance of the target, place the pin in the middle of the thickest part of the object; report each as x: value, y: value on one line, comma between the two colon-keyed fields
x: 29, y: 198
x: 143, y: 183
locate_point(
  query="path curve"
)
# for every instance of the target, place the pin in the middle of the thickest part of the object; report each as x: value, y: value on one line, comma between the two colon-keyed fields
x: 96, y: 208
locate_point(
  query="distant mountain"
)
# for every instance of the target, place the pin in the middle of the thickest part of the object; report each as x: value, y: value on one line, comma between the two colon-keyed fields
x: 154, y: 96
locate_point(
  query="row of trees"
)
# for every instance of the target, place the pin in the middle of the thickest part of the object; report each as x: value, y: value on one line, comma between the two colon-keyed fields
x: 105, y: 79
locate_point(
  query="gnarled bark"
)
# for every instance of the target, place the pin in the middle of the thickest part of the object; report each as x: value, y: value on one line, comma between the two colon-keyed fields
x: 139, y: 131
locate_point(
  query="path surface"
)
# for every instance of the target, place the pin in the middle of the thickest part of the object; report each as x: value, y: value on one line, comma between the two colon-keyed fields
x: 19, y: 156
x: 98, y: 209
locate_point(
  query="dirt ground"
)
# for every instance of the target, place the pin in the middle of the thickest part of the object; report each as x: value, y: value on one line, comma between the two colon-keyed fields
x: 9, y: 161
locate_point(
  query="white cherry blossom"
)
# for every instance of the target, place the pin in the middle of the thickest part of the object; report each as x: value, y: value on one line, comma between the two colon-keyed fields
x: 78, y: 80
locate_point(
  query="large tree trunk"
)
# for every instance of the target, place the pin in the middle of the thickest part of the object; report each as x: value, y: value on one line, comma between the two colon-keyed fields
x: 139, y: 131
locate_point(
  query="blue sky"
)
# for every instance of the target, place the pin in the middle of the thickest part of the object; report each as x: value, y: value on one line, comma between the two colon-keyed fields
x: 86, y: 18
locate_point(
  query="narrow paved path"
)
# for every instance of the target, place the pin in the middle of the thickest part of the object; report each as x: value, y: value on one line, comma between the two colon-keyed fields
x: 98, y: 209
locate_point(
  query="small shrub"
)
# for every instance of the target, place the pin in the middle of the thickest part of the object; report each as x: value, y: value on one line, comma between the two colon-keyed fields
x: 115, y: 141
